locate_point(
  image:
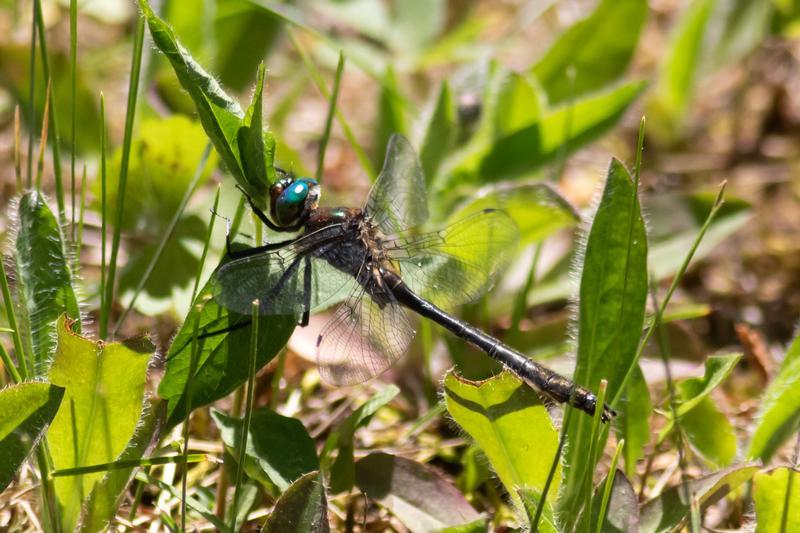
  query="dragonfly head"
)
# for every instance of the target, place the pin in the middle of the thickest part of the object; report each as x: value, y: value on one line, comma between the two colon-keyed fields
x: 292, y: 199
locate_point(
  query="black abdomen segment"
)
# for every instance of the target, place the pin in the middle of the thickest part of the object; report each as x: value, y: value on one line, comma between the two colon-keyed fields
x: 541, y: 378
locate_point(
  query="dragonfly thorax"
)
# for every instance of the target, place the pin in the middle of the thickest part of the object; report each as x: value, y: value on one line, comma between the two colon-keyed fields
x: 293, y: 199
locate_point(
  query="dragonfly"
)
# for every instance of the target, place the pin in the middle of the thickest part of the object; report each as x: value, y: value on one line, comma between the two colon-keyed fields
x: 377, y: 264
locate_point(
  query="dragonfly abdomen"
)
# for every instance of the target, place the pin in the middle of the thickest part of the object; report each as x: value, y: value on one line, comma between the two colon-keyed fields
x: 551, y: 384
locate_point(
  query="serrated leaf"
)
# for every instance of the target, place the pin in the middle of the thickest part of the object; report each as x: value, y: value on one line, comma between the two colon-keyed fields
x: 669, y: 510
x: 598, y: 48
x: 343, y: 468
x: 779, y: 415
x: 611, y: 306
x: 26, y: 410
x: 223, y: 345
x: 44, y: 278
x: 102, y: 405
x: 303, y: 508
x: 418, y: 496
x: 776, y: 494
x: 279, y: 446
x: 508, y: 421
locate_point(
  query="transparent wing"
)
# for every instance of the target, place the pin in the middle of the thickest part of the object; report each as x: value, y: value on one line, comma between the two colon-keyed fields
x: 285, y: 281
x: 363, y: 338
x: 459, y: 263
x: 397, y: 200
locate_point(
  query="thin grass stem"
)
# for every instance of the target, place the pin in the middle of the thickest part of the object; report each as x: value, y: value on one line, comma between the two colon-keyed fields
x: 43, y: 140
x: 32, y: 94
x: 51, y: 103
x: 206, y: 245
x: 323, y: 143
x: 248, y: 411
x: 165, y: 237
x: 103, y: 211
x: 17, y: 150
x: 11, y: 316
x: 188, y: 392
x: 82, y: 212
x: 73, y: 55
x: 8, y: 363
x: 595, y: 448
x: 133, y: 90
x: 132, y: 463
x: 562, y: 440
x: 609, y: 484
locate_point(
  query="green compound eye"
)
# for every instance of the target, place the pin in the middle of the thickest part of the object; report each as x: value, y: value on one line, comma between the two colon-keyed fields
x: 291, y: 202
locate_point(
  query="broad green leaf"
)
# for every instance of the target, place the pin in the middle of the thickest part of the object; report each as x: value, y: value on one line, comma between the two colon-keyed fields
x: 44, y: 277
x: 519, y: 104
x: 99, y: 414
x: 598, y: 48
x: 777, y: 498
x: 679, y: 69
x: 165, y: 154
x: 709, y: 431
x: 537, y: 208
x: 418, y: 496
x: 633, y: 423
x: 669, y: 510
x: 611, y: 305
x: 530, y: 501
x: 343, y: 469
x: 559, y: 132
x: 440, y: 131
x: 220, y: 115
x: 779, y: 415
x: 25, y: 411
x: 104, y: 501
x: 223, y: 346
x: 622, y: 511
x: 257, y: 149
x: 391, y: 115
x: 718, y: 367
x: 303, y: 508
x: 278, y: 446
x: 511, y: 425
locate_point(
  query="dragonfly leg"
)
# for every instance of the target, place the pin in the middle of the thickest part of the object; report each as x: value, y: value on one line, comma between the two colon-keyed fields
x: 306, y: 293
x: 262, y: 216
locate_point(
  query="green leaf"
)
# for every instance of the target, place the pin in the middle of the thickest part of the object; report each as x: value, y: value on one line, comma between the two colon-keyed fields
x: 303, y: 508
x: 537, y: 208
x: 559, y: 132
x: 343, y: 469
x: 744, y: 27
x: 530, y: 501
x: 417, y: 495
x: 26, y: 410
x: 257, y: 155
x: 44, y: 277
x: 220, y: 115
x: 416, y: 23
x: 622, y: 513
x: 709, y: 431
x: 99, y: 414
x: 440, y: 130
x: 104, y: 500
x: 633, y: 423
x: 223, y: 345
x: 611, y: 305
x: 776, y: 494
x: 391, y: 115
x: 511, y: 425
x: 278, y: 446
x: 598, y: 48
x: 669, y: 510
x: 519, y: 104
x: 718, y: 367
x: 779, y: 415
x: 679, y: 69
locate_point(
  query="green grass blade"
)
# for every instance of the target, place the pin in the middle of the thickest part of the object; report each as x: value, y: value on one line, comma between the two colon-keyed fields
x: 206, y: 245
x: 187, y: 414
x: 133, y: 463
x: 166, y: 236
x: 323, y: 143
x: 608, y: 485
x: 16, y: 334
x: 103, y: 212
x: 32, y: 92
x: 56, y: 145
x: 73, y: 55
x: 133, y: 91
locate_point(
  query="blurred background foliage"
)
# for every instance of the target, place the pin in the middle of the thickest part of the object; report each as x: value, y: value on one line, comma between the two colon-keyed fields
x: 518, y: 104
